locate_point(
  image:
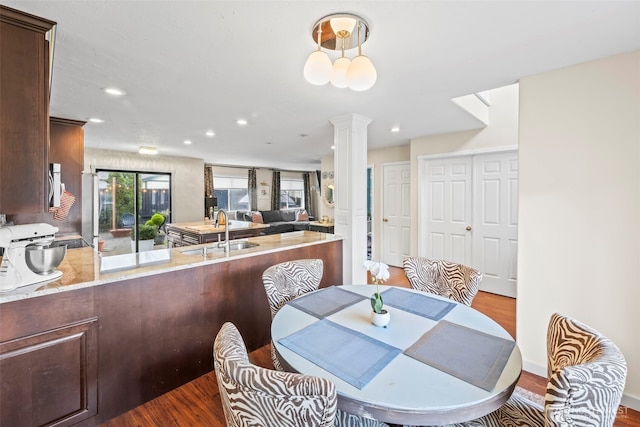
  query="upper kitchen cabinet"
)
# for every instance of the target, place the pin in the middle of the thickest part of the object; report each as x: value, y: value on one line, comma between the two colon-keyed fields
x: 66, y: 147
x: 24, y: 122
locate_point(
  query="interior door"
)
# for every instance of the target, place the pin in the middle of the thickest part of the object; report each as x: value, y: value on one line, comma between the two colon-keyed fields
x: 468, y: 207
x: 396, y: 213
x: 495, y: 230
x: 445, y: 204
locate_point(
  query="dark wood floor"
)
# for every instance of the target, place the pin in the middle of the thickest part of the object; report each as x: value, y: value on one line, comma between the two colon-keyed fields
x: 198, y: 402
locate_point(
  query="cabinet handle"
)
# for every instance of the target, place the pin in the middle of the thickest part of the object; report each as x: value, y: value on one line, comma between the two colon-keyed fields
x: 468, y: 228
x: 385, y: 219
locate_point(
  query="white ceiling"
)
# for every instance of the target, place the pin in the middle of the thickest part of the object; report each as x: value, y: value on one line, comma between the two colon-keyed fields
x: 189, y: 66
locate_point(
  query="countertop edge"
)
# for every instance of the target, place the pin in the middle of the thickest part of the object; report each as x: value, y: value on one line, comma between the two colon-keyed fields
x: 33, y: 291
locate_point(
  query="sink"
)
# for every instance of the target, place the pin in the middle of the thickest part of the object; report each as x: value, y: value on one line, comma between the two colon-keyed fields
x: 234, y: 246
x: 199, y: 251
x: 242, y: 245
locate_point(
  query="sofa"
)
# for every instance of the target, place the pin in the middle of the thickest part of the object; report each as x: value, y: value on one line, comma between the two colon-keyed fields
x: 278, y: 221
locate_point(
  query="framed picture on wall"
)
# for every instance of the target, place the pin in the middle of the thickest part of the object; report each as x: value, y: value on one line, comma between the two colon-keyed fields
x: 263, y: 192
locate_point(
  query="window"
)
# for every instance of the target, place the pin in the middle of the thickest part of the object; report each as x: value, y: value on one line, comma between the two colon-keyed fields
x: 291, y: 193
x: 231, y: 192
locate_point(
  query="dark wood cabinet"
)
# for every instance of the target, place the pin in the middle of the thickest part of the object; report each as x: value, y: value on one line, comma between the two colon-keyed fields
x: 49, y: 360
x: 24, y: 122
x: 29, y: 140
x: 87, y: 355
x: 66, y: 146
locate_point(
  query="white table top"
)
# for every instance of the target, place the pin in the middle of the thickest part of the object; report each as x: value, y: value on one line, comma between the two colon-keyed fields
x: 406, y: 391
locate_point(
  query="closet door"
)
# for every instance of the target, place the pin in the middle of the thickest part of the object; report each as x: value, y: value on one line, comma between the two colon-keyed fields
x: 468, y: 210
x: 495, y: 229
x: 446, y: 210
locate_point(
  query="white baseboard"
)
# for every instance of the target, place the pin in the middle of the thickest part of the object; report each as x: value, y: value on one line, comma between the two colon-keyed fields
x: 627, y: 400
x: 534, y: 369
x: 631, y: 402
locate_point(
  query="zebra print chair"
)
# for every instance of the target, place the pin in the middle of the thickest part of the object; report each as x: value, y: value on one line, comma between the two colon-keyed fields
x: 286, y: 281
x: 255, y: 396
x: 454, y: 281
x: 586, y: 375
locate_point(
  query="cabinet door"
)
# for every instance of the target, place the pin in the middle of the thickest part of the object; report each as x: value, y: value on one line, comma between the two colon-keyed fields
x: 67, y: 148
x: 51, y: 377
x: 24, y: 122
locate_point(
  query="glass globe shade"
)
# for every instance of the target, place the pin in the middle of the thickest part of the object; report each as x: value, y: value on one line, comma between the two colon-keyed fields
x: 362, y: 74
x: 339, y: 74
x: 318, y: 68
x: 342, y: 24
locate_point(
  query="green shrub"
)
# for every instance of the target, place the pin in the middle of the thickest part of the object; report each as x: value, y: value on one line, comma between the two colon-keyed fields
x: 145, y: 232
x: 156, y: 219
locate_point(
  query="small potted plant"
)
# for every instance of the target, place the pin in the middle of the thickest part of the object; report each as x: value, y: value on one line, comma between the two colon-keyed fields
x: 146, y: 237
x: 157, y: 220
x: 379, y: 273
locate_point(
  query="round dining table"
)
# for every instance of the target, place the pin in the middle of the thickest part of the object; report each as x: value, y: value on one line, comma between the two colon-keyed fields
x: 445, y: 364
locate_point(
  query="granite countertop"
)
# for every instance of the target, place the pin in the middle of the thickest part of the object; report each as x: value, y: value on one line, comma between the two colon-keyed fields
x: 83, y: 267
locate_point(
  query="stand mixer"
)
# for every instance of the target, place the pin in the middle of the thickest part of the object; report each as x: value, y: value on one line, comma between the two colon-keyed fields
x: 27, y: 257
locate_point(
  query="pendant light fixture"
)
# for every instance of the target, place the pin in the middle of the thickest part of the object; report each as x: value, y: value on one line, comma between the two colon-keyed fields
x: 317, y: 69
x: 362, y: 75
x: 336, y: 32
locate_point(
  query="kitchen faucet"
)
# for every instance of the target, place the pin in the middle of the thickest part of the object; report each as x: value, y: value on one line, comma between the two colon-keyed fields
x: 226, y: 244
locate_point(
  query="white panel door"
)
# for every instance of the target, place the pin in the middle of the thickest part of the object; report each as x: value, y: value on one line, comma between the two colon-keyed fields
x: 446, y: 209
x: 495, y: 230
x: 396, y: 213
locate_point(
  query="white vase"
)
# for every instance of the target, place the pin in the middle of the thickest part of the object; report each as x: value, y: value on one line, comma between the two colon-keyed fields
x: 380, y: 319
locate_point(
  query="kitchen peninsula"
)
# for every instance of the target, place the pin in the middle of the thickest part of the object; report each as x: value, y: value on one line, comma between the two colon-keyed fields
x: 193, y: 233
x: 110, y: 335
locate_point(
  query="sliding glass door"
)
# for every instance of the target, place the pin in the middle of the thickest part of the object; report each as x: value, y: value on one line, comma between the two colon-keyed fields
x: 133, y: 208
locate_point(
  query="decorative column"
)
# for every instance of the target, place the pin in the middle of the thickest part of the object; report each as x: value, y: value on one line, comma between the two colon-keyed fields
x: 350, y: 193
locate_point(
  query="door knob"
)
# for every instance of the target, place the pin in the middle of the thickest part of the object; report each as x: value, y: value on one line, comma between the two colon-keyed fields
x: 385, y: 219
x: 468, y: 228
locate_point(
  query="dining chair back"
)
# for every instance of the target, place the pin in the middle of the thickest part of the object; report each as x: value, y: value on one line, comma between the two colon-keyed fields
x: 290, y: 279
x: 256, y: 396
x: 586, y: 373
x: 586, y: 376
x: 448, y: 279
x: 286, y: 281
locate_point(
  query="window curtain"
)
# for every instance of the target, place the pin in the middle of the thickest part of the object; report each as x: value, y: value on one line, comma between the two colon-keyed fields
x: 275, y: 191
x: 208, y: 180
x: 309, y: 205
x: 252, y: 188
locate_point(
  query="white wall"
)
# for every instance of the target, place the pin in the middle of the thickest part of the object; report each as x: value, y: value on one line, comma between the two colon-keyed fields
x: 187, y: 176
x: 502, y: 131
x: 579, y: 211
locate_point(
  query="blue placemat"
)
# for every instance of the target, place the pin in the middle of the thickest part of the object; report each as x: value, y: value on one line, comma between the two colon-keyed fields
x: 417, y: 303
x: 473, y: 356
x: 347, y: 354
x: 326, y: 301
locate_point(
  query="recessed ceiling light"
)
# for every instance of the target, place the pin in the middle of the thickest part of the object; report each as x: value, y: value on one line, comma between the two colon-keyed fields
x: 187, y: 142
x: 114, y: 91
x: 210, y: 133
x: 395, y: 129
x: 241, y: 122
x: 96, y: 120
x: 148, y: 150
